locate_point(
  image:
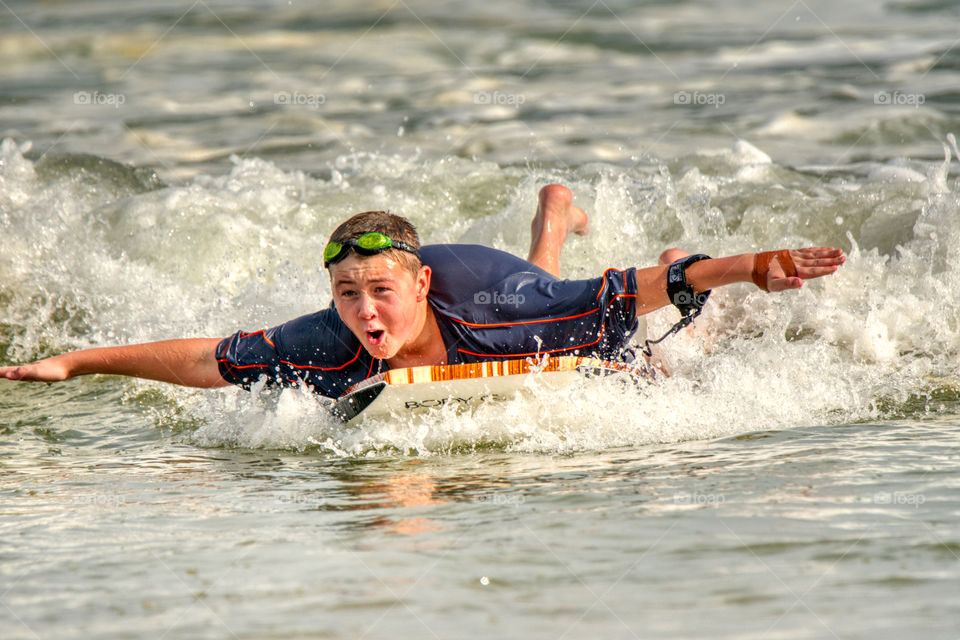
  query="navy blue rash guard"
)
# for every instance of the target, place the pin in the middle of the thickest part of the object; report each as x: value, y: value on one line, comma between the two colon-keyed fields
x: 488, y: 304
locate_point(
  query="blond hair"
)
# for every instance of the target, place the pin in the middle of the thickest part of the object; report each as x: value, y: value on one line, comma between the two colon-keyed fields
x: 394, y: 226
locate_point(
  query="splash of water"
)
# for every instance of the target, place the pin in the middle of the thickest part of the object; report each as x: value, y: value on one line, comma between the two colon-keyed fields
x: 97, y: 254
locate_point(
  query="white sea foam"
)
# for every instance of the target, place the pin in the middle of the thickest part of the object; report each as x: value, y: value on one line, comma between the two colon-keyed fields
x: 81, y: 267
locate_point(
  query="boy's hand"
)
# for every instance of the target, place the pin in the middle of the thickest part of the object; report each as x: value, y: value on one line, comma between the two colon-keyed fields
x: 49, y: 370
x: 811, y: 262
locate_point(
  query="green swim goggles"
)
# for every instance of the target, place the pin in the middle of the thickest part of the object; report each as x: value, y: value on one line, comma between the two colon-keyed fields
x: 368, y: 244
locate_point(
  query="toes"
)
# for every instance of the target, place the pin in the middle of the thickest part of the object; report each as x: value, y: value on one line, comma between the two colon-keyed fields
x: 579, y: 221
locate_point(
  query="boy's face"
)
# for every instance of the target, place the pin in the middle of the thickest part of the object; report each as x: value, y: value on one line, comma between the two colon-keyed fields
x: 380, y: 301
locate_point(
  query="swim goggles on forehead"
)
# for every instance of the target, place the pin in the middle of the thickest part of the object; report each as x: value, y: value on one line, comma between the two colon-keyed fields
x: 368, y: 244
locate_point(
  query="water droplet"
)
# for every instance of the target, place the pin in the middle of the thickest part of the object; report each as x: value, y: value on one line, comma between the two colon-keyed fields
x: 484, y: 580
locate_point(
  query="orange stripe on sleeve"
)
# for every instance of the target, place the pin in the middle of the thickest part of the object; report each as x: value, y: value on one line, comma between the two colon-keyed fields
x: 263, y: 335
x: 310, y: 366
x: 246, y: 366
x: 604, y: 279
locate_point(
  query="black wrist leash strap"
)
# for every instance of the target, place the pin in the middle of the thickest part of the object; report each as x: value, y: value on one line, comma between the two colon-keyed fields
x: 683, y: 298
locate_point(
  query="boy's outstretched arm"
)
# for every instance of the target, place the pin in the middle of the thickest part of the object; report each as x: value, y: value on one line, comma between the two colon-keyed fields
x: 812, y: 262
x: 190, y: 362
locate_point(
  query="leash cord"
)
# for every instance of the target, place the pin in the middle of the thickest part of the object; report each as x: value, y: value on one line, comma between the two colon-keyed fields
x: 683, y: 322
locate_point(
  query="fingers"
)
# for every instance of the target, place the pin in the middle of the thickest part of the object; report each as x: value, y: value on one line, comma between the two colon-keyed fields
x: 810, y: 262
x: 11, y: 373
x: 816, y: 252
x: 808, y: 273
x: 814, y: 262
x: 828, y: 254
x: 31, y: 373
x: 781, y: 283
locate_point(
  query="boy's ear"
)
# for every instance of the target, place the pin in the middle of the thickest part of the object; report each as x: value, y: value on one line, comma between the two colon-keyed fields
x: 423, y: 283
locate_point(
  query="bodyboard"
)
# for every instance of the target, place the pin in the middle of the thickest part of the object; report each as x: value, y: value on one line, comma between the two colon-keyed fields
x: 412, y: 390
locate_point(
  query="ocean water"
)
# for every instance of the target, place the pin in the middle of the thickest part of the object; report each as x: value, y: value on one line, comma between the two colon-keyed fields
x: 174, y: 170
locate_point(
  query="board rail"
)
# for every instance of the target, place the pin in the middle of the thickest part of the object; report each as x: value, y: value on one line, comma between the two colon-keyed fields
x: 486, y: 369
x: 449, y: 380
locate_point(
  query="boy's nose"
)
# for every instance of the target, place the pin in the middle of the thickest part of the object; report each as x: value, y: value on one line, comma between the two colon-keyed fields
x: 367, y: 307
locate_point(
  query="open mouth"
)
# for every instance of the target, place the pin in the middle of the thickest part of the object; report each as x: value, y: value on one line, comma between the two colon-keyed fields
x: 375, y: 337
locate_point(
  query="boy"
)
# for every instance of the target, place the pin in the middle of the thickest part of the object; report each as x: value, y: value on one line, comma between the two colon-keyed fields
x: 396, y: 304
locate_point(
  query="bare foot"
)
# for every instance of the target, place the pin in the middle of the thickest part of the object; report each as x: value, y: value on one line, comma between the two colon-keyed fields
x: 556, y: 217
